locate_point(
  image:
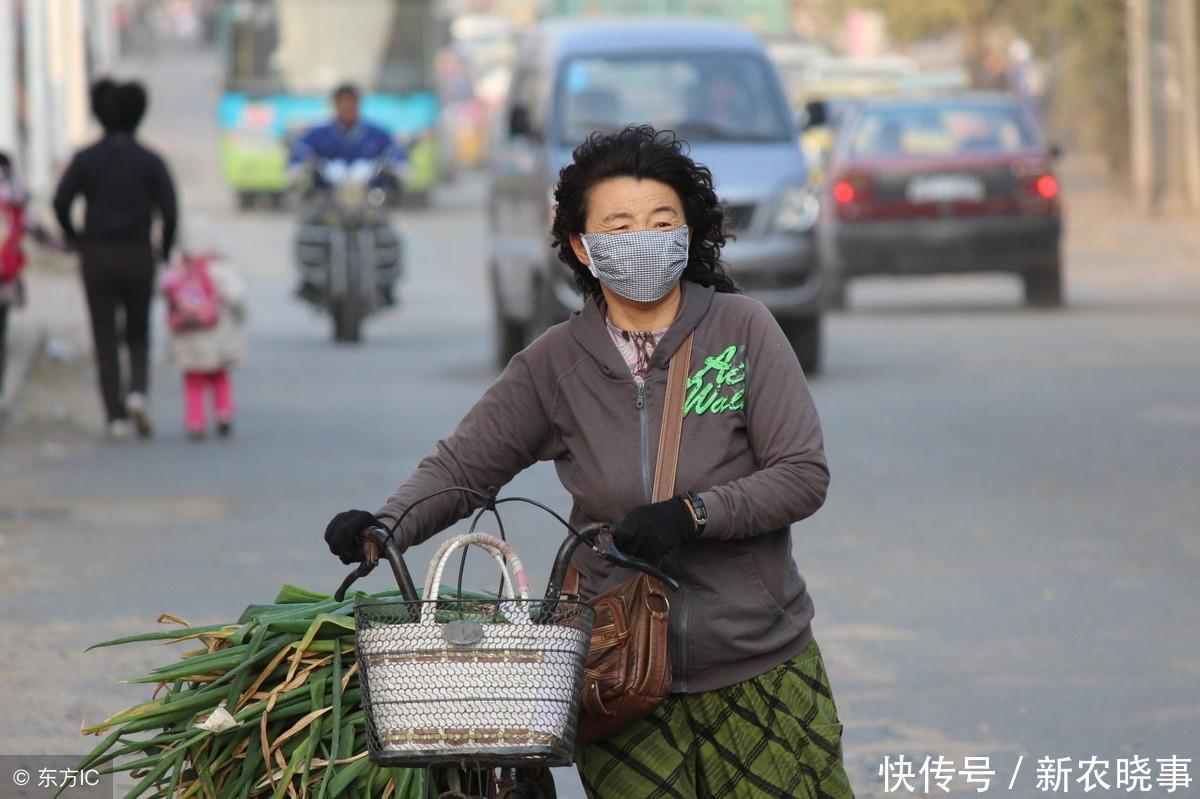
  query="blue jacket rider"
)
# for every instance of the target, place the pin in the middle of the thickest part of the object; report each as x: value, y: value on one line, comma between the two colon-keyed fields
x: 347, y: 138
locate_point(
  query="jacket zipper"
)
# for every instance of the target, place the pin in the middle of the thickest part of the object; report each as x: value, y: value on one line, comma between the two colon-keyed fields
x: 645, y: 428
x: 680, y: 603
x: 684, y: 608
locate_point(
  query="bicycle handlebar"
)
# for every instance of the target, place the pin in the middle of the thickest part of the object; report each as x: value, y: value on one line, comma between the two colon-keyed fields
x: 608, y: 550
x: 598, y: 536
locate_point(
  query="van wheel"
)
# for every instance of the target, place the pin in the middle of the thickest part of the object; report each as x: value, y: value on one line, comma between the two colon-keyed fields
x: 1043, y: 287
x: 835, y: 292
x: 547, y: 311
x: 508, y: 337
x: 804, y: 334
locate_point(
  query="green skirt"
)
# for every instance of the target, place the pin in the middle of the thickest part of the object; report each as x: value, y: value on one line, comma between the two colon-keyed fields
x: 777, y: 735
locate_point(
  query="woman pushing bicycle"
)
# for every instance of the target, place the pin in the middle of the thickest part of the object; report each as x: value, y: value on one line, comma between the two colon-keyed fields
x: 749, y: 711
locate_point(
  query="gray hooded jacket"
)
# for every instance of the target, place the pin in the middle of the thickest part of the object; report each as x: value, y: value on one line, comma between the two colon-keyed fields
x: 751, y: 447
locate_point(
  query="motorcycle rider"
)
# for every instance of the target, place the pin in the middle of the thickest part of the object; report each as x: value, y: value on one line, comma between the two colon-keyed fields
x: 347, y: 139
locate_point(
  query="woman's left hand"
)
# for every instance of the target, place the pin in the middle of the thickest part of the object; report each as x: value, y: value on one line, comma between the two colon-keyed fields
x: 344, y: 534
x: 652, y: 531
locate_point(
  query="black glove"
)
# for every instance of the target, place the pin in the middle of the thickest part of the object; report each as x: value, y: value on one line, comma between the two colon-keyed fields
x: 651, y: 531
x: 344, y: 534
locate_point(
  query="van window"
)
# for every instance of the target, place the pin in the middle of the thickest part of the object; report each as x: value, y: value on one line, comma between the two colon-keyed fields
x: 701, y: 96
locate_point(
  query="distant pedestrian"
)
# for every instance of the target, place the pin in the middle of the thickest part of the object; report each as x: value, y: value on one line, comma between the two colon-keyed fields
x: 1025, y: 78
x: 12, y: 257
x: 205, y: 310
x: 14, y: 226
x: 125, y: 185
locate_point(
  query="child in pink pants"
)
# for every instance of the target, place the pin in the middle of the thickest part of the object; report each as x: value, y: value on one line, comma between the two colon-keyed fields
x: 206, y: 307
x: 195, y: 386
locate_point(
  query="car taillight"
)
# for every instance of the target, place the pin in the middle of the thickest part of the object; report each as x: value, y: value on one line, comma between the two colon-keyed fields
x: 1046, y: 187
x: 1036, y: 180
x: 843, y: 192
x: 850, y: 194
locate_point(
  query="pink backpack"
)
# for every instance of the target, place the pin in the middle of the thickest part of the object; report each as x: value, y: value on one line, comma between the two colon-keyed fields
x: 192, y: 301
x: 12, y: 229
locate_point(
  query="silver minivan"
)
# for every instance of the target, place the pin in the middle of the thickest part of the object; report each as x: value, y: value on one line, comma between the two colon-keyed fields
x: 711, y: 83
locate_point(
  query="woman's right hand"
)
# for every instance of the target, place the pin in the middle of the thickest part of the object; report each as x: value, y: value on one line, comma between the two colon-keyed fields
x: 344, y: 534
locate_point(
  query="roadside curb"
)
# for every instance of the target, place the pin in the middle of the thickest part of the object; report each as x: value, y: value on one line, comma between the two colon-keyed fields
x: 27, y: 345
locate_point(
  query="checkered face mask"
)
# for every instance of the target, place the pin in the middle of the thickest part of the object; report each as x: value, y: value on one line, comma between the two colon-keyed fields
x: 641, y: 266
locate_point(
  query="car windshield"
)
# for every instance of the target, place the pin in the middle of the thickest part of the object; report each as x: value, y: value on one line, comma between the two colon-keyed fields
x: 938, y: 130
x: 702, y: 97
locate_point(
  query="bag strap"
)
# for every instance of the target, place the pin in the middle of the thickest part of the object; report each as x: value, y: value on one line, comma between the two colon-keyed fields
x: 669, y: 436
x: 672, y: 422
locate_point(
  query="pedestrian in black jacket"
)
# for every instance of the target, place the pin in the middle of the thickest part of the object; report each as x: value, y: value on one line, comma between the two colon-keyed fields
x: 124, y: 185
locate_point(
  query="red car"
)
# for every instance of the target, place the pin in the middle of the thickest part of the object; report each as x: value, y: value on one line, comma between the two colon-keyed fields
x: 936, y: 185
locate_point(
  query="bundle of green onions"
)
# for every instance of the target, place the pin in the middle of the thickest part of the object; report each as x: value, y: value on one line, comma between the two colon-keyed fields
x: 266, y: 707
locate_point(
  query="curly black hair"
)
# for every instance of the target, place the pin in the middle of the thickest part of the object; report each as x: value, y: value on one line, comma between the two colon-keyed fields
x: 103, y: 99
x: 131, y: 103
x: 640, y: 151
x: 119, y: 107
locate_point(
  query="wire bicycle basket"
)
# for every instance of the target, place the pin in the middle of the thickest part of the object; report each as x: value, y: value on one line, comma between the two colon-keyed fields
x: 472, y: 681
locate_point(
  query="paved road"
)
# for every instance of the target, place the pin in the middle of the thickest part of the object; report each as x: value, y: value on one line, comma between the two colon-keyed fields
x: 1005, y: 565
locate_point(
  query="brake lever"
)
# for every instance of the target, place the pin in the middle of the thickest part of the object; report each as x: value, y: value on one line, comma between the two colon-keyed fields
x: 371, y: 549
x: 605, y: 548
x: 362, y: 570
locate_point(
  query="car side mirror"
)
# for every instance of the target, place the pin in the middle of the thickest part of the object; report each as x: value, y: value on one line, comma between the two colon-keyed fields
x: 814, y: 115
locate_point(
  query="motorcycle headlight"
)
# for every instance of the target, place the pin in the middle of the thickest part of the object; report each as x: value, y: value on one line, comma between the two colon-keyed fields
x: 797, y: 210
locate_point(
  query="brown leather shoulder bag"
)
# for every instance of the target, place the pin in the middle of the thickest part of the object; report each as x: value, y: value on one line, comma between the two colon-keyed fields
x: 628, y: 668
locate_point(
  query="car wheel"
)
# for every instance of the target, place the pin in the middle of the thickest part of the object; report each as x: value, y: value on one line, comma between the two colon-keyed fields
x: 804, y: 334
x: 246, y: 200
x: 508, y: 337
x: 835, y: 291
x: 547, y: 312
x: 1043, y: 287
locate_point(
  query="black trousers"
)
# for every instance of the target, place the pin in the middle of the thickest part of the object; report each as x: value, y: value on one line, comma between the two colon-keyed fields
x: 119, y: 282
